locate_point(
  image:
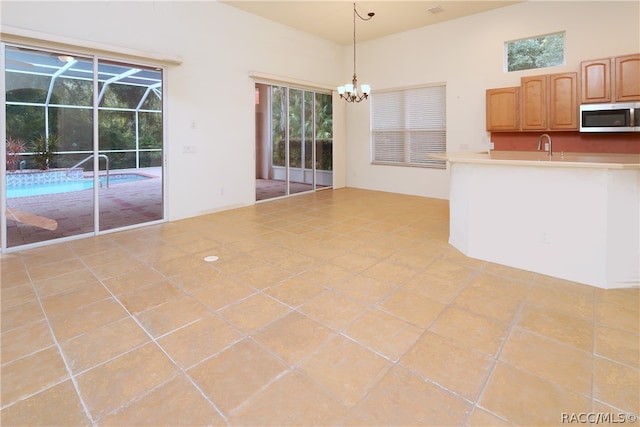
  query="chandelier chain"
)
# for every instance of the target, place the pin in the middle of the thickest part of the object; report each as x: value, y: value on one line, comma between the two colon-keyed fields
x: 350, y: 92
x: 355, y: 12
x: 354, y: 40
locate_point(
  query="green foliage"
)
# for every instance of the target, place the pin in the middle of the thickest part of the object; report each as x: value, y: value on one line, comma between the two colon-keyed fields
x: 122, y: 96
x: 44, y: 150
x: 74, y: 126
x: 150, y: 132
x: 71, y: 119
x: 302, y: 105
x: 537, y: 52
x: 15, y: 147
x: 68, y: 91
x: 324, y: 116
x: 116, y: 130
x: 324, y: 155
x: 25, y: 122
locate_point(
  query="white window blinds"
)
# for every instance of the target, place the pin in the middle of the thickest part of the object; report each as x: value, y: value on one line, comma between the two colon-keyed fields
x: 409, y: 124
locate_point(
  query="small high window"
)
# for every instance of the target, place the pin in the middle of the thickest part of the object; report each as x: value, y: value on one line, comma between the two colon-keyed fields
x: 535, y: 52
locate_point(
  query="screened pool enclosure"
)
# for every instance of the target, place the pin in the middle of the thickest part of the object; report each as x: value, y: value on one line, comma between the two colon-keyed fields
x: 75, y: 117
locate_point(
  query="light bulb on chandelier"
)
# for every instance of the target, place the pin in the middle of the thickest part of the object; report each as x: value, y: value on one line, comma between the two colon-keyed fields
x: 350, y: 91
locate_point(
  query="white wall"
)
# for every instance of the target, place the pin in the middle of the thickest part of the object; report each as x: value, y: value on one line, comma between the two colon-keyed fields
x: 467, y: 54
x: 211, y: 90
x: 578, y: 224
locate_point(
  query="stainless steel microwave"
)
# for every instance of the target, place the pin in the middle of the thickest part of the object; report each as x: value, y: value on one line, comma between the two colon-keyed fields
x: 620, y: 117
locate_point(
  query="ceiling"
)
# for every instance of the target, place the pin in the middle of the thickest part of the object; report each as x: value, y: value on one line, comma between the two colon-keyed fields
x: 333, y: 19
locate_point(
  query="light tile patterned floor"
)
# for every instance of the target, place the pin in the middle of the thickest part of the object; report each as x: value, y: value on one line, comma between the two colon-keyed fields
x: 343, y: 307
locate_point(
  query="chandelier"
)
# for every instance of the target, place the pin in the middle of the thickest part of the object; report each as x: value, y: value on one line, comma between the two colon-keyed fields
x: 350, y: 91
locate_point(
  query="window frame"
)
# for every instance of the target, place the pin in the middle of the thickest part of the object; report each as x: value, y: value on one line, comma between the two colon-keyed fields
x: 12, y: 41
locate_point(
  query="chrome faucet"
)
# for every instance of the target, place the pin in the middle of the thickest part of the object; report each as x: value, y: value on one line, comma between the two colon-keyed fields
x: 540, y: 142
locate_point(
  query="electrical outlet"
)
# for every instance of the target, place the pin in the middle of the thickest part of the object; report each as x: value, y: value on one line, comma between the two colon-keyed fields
x: 189, y: 149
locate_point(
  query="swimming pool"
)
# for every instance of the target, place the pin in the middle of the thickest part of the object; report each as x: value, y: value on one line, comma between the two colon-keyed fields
x: 68, y: 186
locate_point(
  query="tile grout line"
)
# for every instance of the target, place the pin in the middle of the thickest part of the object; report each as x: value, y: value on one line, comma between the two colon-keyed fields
x: 396, y: 363
x: 468, y: 280
x: 496, y: 360
x: 76, y: 386
x: 375, y: 306
x: 295, y: 367
x: 154, y: 341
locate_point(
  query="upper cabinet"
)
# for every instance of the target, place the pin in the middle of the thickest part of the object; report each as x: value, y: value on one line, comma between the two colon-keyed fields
x: 627, y: 78
x: 543, y: 102
x: 596, y: 81
x: 610, y: 79
x: 563, y: 101
x: 503, y: 109
x: 534, y: 102
x: 550, y: 102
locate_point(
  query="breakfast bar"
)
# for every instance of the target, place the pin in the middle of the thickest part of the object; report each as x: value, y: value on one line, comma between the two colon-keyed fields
x: 574, y: 216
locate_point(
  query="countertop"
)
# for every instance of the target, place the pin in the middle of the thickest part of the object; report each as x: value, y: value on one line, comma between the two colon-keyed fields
x: 542, y: 159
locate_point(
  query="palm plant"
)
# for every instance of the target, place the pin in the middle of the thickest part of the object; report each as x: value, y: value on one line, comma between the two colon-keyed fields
x: 44, y: 149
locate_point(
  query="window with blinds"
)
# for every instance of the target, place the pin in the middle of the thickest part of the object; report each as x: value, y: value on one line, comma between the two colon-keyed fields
x: 409, y: 124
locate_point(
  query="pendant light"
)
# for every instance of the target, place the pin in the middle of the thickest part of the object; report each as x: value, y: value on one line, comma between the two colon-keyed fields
x: 350, y: 92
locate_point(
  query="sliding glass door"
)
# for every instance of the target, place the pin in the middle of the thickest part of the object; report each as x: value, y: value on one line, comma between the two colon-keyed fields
x: 294, y: 130
x: 297, y: 133
x: 322, y: 144
x: 83, y: 145
x: 130, y: 145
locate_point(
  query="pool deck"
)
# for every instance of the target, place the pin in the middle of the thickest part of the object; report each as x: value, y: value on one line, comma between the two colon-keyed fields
x: 121, y: 204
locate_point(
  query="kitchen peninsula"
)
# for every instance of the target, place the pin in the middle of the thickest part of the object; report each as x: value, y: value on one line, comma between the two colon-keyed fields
x: 575, y: 216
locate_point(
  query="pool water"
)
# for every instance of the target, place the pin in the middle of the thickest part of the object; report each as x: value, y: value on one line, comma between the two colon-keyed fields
x: 69, y: 186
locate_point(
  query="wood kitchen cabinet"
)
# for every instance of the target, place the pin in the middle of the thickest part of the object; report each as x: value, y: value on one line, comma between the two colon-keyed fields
x: 627, y: 78
x: 608, y: 80
x: 503, y: 109
x: 563, y: 101
x: 534, y: 102
x: 550, y: 102
x: 595, y: 82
